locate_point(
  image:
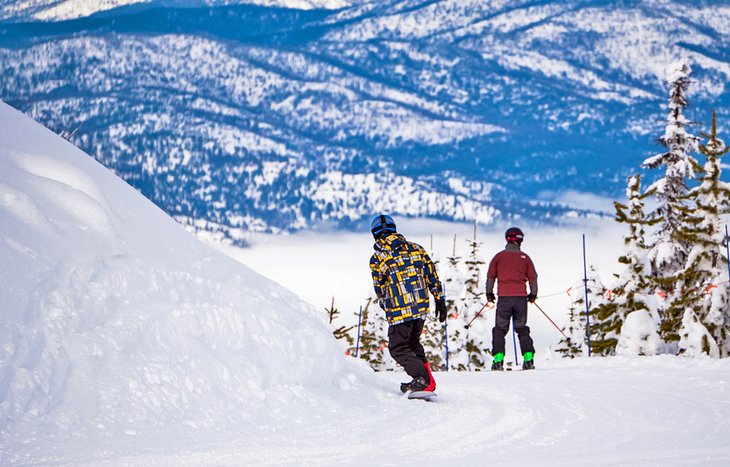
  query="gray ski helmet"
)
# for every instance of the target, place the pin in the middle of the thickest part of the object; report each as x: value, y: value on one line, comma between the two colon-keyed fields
x: 514, y: 235
x: 382, y: 224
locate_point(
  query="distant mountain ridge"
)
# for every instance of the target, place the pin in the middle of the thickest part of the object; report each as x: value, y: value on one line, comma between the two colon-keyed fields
x: 267, y: 119
x: 57, y: 10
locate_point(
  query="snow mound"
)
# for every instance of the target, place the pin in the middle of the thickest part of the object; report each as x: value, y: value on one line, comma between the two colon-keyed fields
x: 639, y: 336
x: 115, y: 320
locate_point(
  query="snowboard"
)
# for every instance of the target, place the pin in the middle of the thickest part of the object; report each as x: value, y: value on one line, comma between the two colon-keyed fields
x: 422, y: 395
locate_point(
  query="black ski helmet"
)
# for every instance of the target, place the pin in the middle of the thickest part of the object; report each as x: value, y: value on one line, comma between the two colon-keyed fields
x: 514, y: 235
x: 382, y: 224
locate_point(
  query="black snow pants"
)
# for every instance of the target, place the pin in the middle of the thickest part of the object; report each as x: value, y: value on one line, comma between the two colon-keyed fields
x: 404, y: 344
x: 515, y: 309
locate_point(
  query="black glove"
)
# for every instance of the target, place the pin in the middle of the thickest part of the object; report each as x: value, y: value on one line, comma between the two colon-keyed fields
x: 441, y: 310
x: 491, y: 298
x: 531, y: 298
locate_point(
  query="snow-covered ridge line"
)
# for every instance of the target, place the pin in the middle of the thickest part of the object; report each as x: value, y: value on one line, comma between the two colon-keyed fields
x: 54, y: 10
x: 223, y: 123
x: 363, y: 194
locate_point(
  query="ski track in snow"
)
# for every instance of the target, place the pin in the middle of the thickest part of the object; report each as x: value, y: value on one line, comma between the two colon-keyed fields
x: 600, y: 411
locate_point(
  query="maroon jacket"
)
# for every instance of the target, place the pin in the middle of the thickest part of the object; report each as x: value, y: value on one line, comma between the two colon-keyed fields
x: 511, y: 268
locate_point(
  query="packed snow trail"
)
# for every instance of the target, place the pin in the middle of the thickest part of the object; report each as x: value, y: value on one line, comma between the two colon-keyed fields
x: 654, y: 411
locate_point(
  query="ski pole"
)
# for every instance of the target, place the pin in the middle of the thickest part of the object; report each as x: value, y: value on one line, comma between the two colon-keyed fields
x: 556, y: 326
x: 446, y: 339
x: 514, y: 341
x: 359, y: 321
x: 477, y: 315
x: 727, y: 249
x: 585, y: 281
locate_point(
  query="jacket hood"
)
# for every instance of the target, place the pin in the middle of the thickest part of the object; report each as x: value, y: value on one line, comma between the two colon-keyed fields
x: 390, y: 242
x: 512, y: 247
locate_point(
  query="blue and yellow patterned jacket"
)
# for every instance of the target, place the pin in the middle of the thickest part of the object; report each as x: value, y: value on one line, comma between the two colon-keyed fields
x: 402, y: 276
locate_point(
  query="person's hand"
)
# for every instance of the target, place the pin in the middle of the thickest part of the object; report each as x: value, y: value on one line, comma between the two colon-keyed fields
x: 491, y: 298
x: 441, y: 310
x: 531, y: 298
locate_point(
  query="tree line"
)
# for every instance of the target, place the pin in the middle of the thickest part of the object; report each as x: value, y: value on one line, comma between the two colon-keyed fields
x: 672, y: 294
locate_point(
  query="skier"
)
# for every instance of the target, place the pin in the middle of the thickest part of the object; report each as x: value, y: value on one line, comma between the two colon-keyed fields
x: 511, y: 268
x: 403, y: 274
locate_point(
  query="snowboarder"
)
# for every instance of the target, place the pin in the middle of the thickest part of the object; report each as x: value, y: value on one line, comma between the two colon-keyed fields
x: 511, y: 268
x: 403, y: 274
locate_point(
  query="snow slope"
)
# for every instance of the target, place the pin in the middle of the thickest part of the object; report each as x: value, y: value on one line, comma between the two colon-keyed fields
x: 116, y: 321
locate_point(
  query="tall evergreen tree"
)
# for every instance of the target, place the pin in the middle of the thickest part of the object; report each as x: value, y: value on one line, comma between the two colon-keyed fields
x: 683, y: 260
x: 632, y: 288
x: 703, y: 297
x: 478, y: 331
x: 433, y: 331
x: 670, y: 246
x: 456, y: 332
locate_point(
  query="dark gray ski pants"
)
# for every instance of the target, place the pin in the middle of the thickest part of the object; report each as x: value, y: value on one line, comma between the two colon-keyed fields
x: 404, y: 344
x: 511, y: 308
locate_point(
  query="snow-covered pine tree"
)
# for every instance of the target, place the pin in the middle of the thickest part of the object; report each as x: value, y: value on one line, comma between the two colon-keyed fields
x: 574, y: 345
x: 433, y: 331
x: 433, y: 343
x: 374, y: 338
x: 453, y: 280
x: 456, y: 334
x: 670, y: 246
x: 639, y: 336
x: 719, y: 313
x: 605, y: 325
x: 366, y: 346
x: 477, y: 333
x: 632, y: 288
x: 703, y: 297
x: 601, y: 308
x: 341, y: 332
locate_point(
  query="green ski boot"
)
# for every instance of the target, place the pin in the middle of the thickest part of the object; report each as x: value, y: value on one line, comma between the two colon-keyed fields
x: 498, y: 362
x: 529, y: 361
